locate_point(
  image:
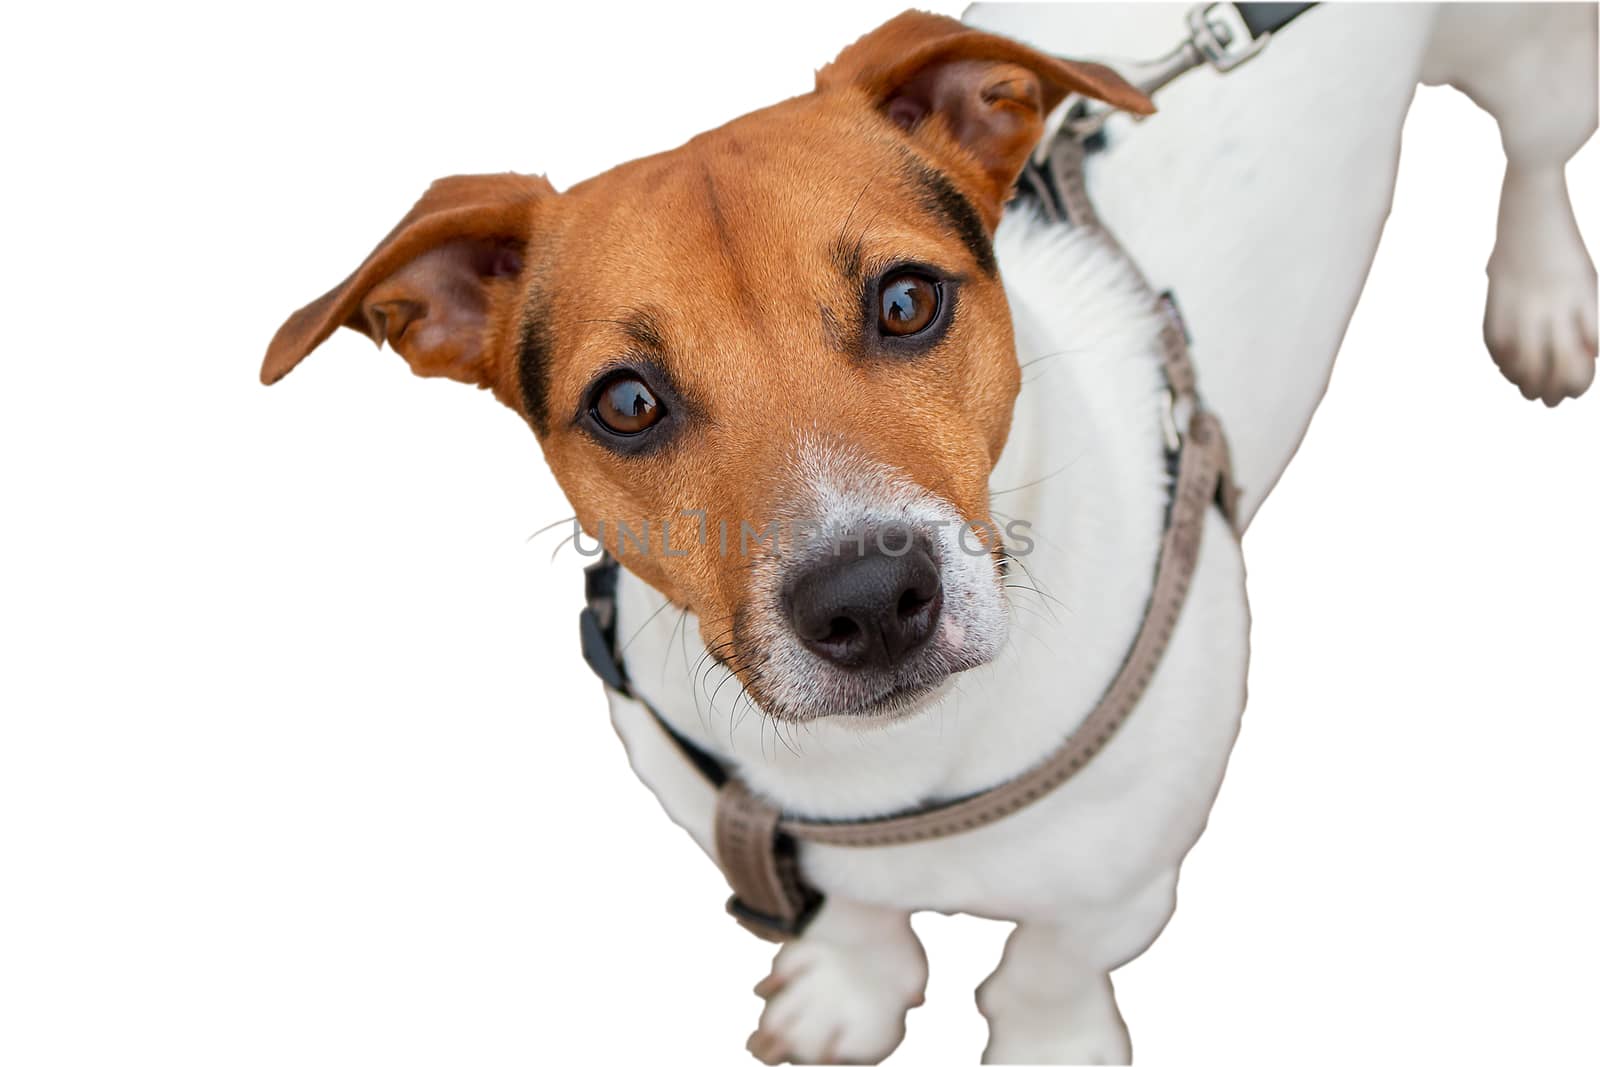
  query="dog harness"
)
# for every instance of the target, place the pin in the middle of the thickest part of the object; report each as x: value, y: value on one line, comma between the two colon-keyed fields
x: 757, y: 844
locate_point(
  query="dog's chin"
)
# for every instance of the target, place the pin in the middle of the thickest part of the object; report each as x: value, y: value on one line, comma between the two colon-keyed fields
x: 901, y: 702
x: 896, y: 703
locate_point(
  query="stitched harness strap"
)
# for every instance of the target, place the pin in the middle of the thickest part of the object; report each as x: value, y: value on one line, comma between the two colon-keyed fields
x: 770, y: 899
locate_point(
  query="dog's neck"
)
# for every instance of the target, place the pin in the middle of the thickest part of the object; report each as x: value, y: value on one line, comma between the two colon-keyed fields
x: 1083, y: 476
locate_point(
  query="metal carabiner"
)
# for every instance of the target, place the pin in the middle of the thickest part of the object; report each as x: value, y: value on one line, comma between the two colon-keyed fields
x: 1209, y: 43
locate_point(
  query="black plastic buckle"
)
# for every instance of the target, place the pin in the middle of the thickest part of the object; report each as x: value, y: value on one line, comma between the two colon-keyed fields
x: 771, y: 927
x: 597, y: 651
x: 597, y: 623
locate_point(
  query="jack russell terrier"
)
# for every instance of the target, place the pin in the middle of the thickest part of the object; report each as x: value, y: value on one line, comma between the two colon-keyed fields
x: 820, y: 316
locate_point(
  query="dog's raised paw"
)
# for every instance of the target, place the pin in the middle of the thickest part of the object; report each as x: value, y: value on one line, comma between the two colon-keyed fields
x: 833, y: 1004
x: 1542, y: 335
x: 1540, y: 320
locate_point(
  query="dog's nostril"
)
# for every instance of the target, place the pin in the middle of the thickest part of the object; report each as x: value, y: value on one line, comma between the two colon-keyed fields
x: 841, y: 630
x: 911, y: 602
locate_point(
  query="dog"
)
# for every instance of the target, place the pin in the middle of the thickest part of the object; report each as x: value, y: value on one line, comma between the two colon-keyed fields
x: 732, y: 331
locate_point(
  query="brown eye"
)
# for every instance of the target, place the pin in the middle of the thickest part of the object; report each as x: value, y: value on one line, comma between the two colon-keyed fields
x: 907, y: 304
x: 627, y: 406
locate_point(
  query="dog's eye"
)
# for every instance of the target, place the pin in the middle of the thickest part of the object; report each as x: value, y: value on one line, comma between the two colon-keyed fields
x: 907, y: 304
x: 626, y: 406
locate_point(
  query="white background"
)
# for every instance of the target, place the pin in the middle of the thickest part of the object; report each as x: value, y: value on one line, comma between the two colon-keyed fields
x: 298, y: 760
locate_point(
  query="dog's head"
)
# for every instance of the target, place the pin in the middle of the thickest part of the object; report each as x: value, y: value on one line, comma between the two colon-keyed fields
x: 771, y: 369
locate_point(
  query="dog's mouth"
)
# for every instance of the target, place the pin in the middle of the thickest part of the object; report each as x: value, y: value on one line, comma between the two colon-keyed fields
x: 824, y: 692
x: 904, y: 701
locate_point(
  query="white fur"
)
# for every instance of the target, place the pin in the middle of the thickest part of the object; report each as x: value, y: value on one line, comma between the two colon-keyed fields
x: 1285, y: 170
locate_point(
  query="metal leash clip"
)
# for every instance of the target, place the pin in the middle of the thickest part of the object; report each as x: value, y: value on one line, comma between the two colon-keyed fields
x: 1210, y: 43
x: 1213, y: 39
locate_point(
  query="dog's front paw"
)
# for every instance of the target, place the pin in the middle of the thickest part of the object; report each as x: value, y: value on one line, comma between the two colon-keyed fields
x: 828, y: 1003
x: 1049, y: 1043
x: 1027, y: 1025
x: 1540, y: 320
x: 1542, y: 333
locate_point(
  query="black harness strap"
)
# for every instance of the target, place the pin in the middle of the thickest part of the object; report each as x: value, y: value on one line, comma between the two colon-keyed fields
x: 597, y: 632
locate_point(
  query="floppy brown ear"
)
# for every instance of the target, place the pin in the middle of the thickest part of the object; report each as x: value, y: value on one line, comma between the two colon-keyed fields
x: 436, y: 288
x: 991, y: 94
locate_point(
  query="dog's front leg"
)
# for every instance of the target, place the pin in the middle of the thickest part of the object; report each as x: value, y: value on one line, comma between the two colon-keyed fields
x: 1050, y: 1000
x: 1533, y: 69
x: 840, y: 992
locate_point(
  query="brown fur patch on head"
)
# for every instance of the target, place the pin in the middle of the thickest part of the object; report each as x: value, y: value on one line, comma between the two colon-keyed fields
x: 738, y: 278
x: 756, y: 291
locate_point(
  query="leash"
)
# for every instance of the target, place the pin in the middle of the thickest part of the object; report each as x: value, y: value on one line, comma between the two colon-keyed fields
x: 757, y: 844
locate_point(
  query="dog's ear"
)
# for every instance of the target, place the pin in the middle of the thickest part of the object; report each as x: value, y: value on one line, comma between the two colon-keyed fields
x: 990, y: 94
x: 437, y: 288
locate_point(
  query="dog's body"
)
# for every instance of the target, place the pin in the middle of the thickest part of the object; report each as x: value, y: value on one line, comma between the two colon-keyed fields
x: 700, y: 287
x: 1095, y: 863
x: 1286, y: 170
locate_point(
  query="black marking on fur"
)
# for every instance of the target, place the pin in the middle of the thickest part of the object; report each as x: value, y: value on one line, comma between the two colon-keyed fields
x: 942, y: 199
x: 533, y: 369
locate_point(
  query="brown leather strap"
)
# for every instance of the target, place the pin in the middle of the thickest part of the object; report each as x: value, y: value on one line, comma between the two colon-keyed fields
x: 1175, y: 350
x: 1203, y: 459
x: 1066, y: 167
x: 1058, y: 185
x: 769, y: 899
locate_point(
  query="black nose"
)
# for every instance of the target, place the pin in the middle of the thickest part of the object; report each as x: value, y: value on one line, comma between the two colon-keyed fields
x: 869, y: 609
